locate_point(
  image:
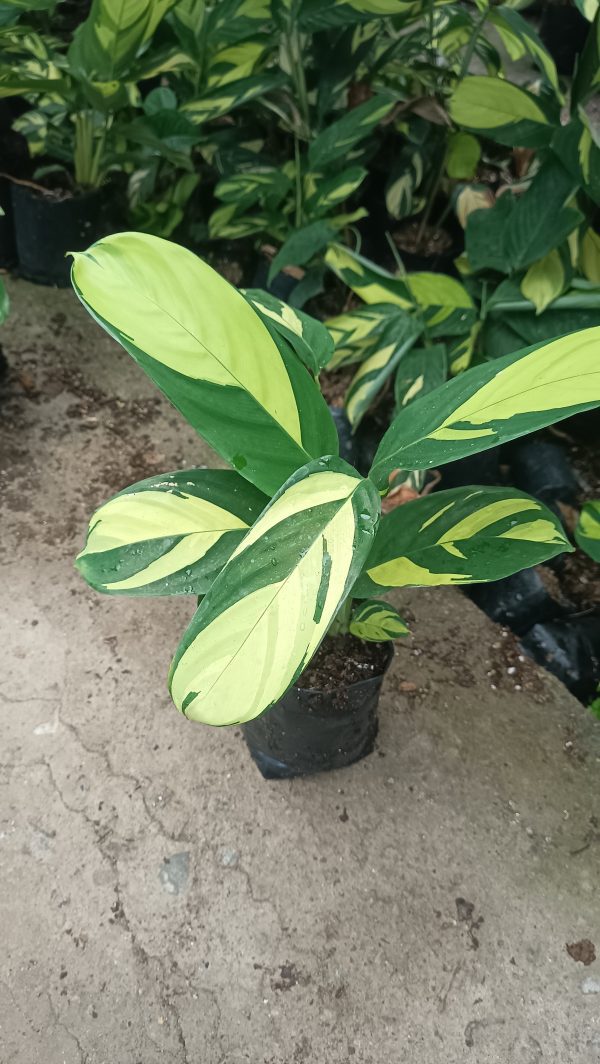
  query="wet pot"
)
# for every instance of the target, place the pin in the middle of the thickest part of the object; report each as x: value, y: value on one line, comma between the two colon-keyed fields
x: 310, y: 730
x: 47, y: 227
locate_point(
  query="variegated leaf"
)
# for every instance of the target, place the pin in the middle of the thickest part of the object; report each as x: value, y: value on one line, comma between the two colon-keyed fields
x: 587, y: 533
x: 339, y: 137
x: 169, y: 535
x: 309, y: 338
x: 395, y: 341
x: 376, y: 621
x: 109, y: 40
x: 223, y: 99
x: 491, y: 404
x: 182, y: 323
x: 330, y: 192
x: 420, y: 371
x: 270, y: 607
x: 356, y: 332
x: 461, y: 536
x: 503, y: 111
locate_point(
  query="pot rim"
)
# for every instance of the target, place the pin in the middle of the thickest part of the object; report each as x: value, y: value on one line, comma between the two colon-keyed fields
x: 390, y: 651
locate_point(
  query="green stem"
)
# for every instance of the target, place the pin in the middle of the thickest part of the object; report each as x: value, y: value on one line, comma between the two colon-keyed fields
x: 341, y: 622
x: 472, y: 42
x: 298, y: 174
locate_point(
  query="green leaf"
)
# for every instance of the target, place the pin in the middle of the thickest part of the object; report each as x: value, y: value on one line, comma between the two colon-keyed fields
x: 309, y: 338
x: 503, y: 111
x: 339, y: 137
x: 405, y: 178
x: 544, y: 281
x: 421, y: 371
x: 169, y: 535
x: 395, y: 341
x: 182, y: 323
x: 517, y: 231
x: 464, y: 153
x: 587, y: 533
x: 520, y: 39
x: 587, y: 72
x: 491, y: 404
x: 356, y: 332
x: 332, y: 191
x: 461, y: 536
x: 225, y: 98
x: 589, y: 256
x: 268, y: 610
x: 376, y: 621
x: 302, y: 246
x: 317, y: 15
x: 106, y: 44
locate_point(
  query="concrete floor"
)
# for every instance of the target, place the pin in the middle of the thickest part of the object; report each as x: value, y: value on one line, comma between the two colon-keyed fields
x: 161, y: 903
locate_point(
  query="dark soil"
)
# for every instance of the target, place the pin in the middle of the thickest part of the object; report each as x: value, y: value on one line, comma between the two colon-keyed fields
x: 342, y: 660
x: 335, y: 385
x: 580, y: 576
x: 433, y: 242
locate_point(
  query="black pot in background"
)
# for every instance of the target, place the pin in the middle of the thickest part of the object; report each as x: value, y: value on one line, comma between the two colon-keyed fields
x: 281, y: 286
x: 541, y: 468
x: 348, y: 446
x: 481, y: 468
x: 312, y: 731
x: 570, y: 649
x: 46, y: 228
x: 519, y: 601
x: 563, y: 30
x: 8, y: 244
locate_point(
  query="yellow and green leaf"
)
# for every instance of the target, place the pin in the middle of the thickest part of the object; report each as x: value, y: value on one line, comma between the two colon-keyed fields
x: 421, y: 371
x: 394, y: 342
x: 544, y: 280
x: 376, y: 621
x: 205, y: 347
x: 498, y: 108
x: 356, y: 332
x: 270, y: 607
x: 461, y: 536
x: 587, y: 533
x: 169, y: 535
x: 493, y: 403
x: 309, y: 338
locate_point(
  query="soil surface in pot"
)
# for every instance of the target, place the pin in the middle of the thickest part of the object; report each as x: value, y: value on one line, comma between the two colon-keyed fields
x: 335, y: 385
x: 342, y: 660
x: 433, y: 241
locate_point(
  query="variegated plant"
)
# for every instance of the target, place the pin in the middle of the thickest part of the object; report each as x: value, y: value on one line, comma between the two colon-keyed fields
x: 279, y: 546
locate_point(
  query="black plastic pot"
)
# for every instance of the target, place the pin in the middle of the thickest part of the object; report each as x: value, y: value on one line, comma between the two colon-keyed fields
x: 47, y: 228
x: 482, y: 468
x: 312, y: 731
x: 563, y: 30
x: 570, y: 649
x: 518, y: 601
x: 281, y: 286
x: 8, y: 245
x: 541, y: 469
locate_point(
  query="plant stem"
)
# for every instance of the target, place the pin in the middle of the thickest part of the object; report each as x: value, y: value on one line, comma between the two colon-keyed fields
x: 472, y: 42
x: 341, y: 622
x: 298, y: 175
x: 431, y: 197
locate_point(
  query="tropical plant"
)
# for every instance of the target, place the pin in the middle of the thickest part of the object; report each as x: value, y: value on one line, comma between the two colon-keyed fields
x: 80, y: 92
x: 278, y: 546
x: 587, y: 532
x: 293, y: 195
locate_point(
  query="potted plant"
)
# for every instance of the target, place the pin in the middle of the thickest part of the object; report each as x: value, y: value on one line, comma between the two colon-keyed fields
x: 290, y: 544
x: 78, y: 94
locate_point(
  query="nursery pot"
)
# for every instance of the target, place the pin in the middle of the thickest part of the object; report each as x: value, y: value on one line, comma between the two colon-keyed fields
x: 8, y: 247
x: 46, y: 228
x: 311, y: 730
x: 563, y: 30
